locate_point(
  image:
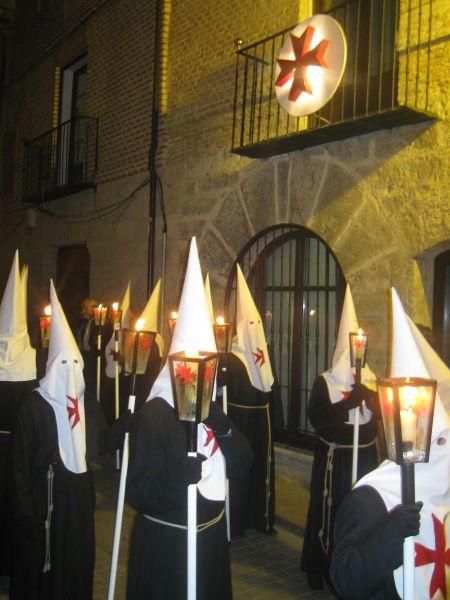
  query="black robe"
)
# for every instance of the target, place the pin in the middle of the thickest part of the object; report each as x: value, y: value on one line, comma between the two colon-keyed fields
x: 12, y: 394
x: 157, y: 559
x: 252, y: 500
x: 367, y: 549
x: 37, y: 468
x: 329, y: 421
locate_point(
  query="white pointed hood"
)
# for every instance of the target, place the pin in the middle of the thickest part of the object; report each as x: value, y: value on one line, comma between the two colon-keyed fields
x: 341, y: 376
x: 209, y: 298
x: 17, y: 357
x: 109, y: 349
x: 63, y: 388
x: 432, y: 480
x: 249, y: 343
x: 24, y: 284
x: 150, y: 315
x: 193, y: 328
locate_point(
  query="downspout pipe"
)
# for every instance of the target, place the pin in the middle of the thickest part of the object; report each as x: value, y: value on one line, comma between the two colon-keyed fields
x: 153, y: 188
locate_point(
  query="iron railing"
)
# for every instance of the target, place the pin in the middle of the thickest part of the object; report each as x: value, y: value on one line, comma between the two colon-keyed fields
x: 367, y: 95
x: 61, y: 161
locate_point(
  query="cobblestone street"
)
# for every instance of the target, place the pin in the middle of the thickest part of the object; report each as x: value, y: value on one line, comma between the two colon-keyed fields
x: 263, y: 567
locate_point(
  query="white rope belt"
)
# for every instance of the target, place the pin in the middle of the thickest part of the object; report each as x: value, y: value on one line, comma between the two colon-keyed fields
x: 48, y: 521
x: 327, y: 501
x: 263, y: 406
x: 201, y: 527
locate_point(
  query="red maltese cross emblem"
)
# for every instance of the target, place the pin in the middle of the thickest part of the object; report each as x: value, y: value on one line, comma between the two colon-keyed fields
x: 304, y: 57
x: 73, y: 411
x: 259, y: 357
x: 210, y: 438
x: 439, y: 556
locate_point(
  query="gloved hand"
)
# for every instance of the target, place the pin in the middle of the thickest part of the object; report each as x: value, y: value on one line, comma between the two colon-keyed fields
x: 125, y: 420
x: 406, y: 518
x: 217, y: 420
x: 359, y: 393
x: 189, y: 469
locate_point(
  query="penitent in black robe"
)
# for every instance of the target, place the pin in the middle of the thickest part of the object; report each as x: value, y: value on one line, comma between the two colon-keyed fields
x: 157, y: 559
x: 367, y: 548
x: 39, y: 479
x: 252, y: 500
x: 329, y: 421
x: 12, y: 394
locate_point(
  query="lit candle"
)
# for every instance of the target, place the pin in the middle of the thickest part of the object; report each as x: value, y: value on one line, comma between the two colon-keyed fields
x: 174, y: 315
x: 409, y: 397
x: 48, y: 310
x: 220, y: 321
x: 115, y: 306
x: 140, y: 324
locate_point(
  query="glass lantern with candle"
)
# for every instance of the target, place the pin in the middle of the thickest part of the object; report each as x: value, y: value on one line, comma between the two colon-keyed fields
x: 116, y: 315
x: 407, y: 408
x: 171, y: 321
x: 358, y: 348
x: 192, y: 375
x: 44, y: 326
x: 136, y: 346
x: 223, y: 335
x: 100, y: 315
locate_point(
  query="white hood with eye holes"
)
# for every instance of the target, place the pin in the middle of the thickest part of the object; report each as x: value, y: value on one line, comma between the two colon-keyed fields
x: 249, y: 343
x: 63, y: 388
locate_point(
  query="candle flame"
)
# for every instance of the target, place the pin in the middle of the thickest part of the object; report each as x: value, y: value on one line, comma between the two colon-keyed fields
x: 360, y: 333
x: 174, y: 315
x: 115, y: 306
x: 220, y: 320
x: 140, y: 324
x: 48, y: 310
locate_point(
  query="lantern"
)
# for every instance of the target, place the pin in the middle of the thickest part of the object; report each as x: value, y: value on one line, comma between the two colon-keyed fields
x: 100, y: 315
x: 407, y: 408
x: 192, y: 375
x: 358, y: 348
x: 223, y: 335
x: 116, y: 315
x: 44, y: 325
x: 136, y: 348
x: 171, y: 321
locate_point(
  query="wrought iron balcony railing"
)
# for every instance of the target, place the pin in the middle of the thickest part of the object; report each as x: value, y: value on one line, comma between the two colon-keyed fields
x: 61, y: 161
x: 367, y: 98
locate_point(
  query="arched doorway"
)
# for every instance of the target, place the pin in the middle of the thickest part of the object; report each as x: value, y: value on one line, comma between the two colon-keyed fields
x: 298, y: 287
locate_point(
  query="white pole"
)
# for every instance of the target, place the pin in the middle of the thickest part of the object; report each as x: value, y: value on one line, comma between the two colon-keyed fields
x: 116, y: 389
x: 227, y: 483
x: 119, y: 513
x: 355, y: 446
x: 191, y: 540
x: 99, y: 362
x: 408, y: 569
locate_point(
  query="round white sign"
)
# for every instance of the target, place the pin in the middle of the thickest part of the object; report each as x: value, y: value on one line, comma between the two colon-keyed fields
x: 310, y: 65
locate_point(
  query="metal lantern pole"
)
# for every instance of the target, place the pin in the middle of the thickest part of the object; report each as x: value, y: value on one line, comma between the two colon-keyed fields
x: 407, y: 408
x: 125, y: 458
x: 222, y: 334
x: 192, y: 520
x: 192, y: 376
x: 117, y: 320
x: 358, y: 349
x: 408, y: 497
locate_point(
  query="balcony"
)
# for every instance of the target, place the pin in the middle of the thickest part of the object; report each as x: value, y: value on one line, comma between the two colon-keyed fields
x: 372, y: 95
x: 61, y: 161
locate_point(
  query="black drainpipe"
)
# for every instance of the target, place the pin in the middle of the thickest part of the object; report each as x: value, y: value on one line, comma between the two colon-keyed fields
x: 153, y: 192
